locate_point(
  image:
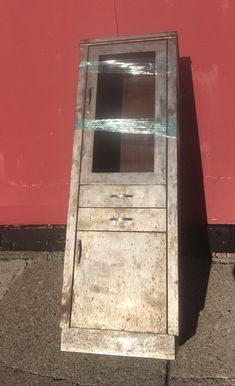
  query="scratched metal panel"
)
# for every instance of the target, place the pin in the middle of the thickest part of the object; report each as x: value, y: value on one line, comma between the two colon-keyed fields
x: 92, y: 196
x: 127, y: 343
x: 122, y: 219
x: 120, y: 282
x: 172, y: 208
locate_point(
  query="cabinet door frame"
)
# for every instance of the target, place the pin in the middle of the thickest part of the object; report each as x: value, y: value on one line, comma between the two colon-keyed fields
x: 159, y: 174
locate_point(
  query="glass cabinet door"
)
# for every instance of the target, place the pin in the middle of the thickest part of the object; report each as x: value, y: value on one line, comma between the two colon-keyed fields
x: 125, y: 114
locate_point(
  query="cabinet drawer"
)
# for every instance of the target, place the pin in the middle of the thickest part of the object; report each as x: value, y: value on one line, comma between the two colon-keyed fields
x: 112, y: 219
x: 92, y: 196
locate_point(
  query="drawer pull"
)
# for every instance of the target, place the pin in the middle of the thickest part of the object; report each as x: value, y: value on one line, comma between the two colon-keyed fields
x: 121, y: 195
x: 128, y: 220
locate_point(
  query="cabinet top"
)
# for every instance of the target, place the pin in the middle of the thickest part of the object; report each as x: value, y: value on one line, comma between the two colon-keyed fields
x: 130, y: 38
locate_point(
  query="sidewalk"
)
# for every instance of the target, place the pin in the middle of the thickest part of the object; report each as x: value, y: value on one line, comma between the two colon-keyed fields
x: 30, y: 292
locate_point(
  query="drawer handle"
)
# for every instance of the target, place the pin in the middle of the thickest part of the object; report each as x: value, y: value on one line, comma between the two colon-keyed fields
x: 128, y: 220
x: 121, y: 195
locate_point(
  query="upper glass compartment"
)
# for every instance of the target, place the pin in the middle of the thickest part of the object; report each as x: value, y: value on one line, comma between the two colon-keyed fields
x: 125, y: 90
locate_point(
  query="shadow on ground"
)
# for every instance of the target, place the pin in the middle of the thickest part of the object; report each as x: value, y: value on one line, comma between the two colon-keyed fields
x: 195, y: 257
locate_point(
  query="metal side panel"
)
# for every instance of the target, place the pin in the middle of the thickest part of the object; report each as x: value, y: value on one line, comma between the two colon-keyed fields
x: 172, y: 203
x: 120, y: 282
x: 73, y: 200
x: 122, y: 343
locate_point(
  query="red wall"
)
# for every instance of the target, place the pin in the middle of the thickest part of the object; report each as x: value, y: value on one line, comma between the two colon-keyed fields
x: 39, y: 60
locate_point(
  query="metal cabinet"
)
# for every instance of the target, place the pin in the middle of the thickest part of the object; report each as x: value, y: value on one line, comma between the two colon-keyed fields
x: 120, y: 291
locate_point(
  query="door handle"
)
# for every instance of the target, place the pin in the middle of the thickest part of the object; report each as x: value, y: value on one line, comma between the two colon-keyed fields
x: 89, y: 96
x: 78, y: 251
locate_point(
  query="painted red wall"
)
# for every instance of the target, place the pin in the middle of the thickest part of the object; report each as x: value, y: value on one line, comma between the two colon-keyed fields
x: 38, y: 67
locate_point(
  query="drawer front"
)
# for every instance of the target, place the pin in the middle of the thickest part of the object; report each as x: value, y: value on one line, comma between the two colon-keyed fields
x: 128, y: 220
x: 92, y: 196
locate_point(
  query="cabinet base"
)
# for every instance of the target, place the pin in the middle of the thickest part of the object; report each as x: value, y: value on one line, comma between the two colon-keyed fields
x: 122, y: 343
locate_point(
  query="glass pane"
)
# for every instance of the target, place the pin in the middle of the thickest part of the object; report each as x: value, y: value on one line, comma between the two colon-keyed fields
x: 125, y: 90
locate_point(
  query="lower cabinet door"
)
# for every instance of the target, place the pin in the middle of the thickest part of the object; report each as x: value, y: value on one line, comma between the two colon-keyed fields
x: 120, y: 282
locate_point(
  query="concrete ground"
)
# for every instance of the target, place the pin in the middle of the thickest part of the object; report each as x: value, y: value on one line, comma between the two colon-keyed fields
x: 30, y: 290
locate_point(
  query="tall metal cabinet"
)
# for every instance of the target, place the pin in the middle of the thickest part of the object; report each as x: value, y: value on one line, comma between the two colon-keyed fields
x: 120, y: 291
